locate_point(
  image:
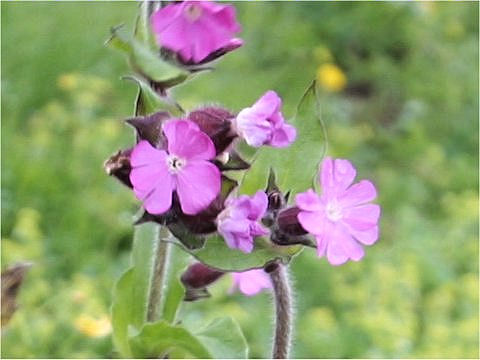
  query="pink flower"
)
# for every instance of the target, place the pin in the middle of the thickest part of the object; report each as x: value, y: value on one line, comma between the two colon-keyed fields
x: 183, y: 168
x: 196, y: 29
x: 341, y: 218
x: 251, y: 282
x: 239, y: 223
x: 263, y: 123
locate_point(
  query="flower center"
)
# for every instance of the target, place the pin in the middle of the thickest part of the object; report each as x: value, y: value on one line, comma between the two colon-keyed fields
x: 193, y: 12
x: 334, y: 211
x: 175, y: 164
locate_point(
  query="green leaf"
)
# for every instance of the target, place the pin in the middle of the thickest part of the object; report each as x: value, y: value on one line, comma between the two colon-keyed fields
x: 145, y: 61
x: 143, y: 31
x: 296, y: 165
x: 122, y: 309
x: 216, y: 254
x: 158, y: 339
x: 224, y: 338
x: 129, y: 309
x: 149, y: 102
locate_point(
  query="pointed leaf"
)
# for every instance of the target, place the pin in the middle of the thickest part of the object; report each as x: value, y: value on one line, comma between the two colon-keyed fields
x: 296, y: 165
x: 158, y: 339
x: 145, y: 61
x: 143, y: 32
x: 148, y: 101
x: 224, y: 338
x: 129, y: 309
x: 216, y: 254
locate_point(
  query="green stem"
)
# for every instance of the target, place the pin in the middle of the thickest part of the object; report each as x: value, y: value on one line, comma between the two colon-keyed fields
x: 159, y: 276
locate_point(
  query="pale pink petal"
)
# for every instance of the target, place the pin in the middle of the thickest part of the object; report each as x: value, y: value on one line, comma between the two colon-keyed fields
x: 336, y: 175
x: 321, y: 245
x: 326, y: 175
x: 335, y: 253
x: 357, y: 194
x: 309, y: 201
x: 198, y: 184
x: 258, y: 205
x: 283, y: 136
x: 366, y: 237
x: 361, y: 217
x: 236, y: 233
x: 255, y: 130
x: 251, y: 282
x: 341, y: 246
x: 267, y: 105
x: 313, y: 222
x: 257, y: 229
x: 245, y: 245
x: 187, y: 141
x: 344, y: 173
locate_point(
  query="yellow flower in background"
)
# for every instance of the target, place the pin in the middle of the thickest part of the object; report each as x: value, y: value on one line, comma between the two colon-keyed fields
x: 67, y: 81
x: 92, y: 327
x: 331, y: 77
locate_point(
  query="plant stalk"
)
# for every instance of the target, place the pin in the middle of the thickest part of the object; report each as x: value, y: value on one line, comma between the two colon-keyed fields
x: 159, y: 276
x: 283, y: 310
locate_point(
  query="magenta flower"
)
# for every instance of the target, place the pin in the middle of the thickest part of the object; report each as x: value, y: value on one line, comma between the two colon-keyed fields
x: 251, y: 282
x: 341, y: 218
x: 196, y: 29
x: 239, y: 223
x: 263, y: 123
x: 183, y: 168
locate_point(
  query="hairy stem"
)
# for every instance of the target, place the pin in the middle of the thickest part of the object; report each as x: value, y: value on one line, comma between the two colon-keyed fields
x: 283, y: 310
x: 160, y: 268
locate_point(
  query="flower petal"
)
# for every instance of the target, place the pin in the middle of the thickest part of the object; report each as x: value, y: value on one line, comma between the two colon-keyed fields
x: 313, y: 222
x: 341, y: 245
x: 321, y: 245
x: 186, y: 140
x: 283, y: 136
x: 357, y: 194
x: 258, y: 205
x: 336, y: 176
x: 198, y: 184
x: 236, y: 234
x: 361, y: 217
x: 309, y: 201
x: 267, y: 105
x: 164, y: 17
x: 366, y: 237
x: 160, y: 199
x: 251, y: 282
x: 151, y: 180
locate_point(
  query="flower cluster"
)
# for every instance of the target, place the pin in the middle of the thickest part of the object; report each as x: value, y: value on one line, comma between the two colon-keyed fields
x: 177, y: 168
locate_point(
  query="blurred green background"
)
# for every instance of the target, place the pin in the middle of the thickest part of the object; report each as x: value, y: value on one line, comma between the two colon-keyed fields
x: 399, y: 98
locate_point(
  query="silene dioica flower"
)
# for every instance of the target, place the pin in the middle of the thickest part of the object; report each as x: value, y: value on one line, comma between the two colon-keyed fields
x: 180, y: 169
x: 198, y: 31
x: 341, y: 219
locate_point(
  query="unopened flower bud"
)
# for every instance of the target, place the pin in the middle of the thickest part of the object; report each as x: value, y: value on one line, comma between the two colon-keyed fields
x: 150, y: 127
x: 196, y: 279
x: 216, y: 123
x: 288, y: 222
x: 118, y: 165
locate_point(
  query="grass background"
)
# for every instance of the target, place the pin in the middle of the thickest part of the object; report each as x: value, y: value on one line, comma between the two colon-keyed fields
x: 407, y: 118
